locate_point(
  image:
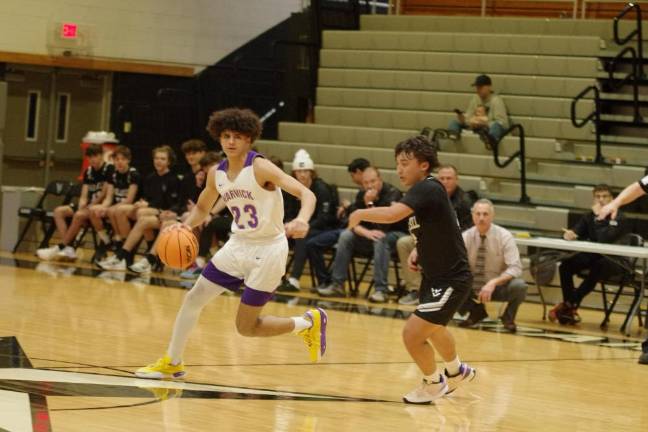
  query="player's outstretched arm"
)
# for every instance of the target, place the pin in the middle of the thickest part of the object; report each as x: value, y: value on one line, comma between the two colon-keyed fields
x: 629, y: 194
x: 267, y: 172
x: 205, y: 202
x: 382, y: 215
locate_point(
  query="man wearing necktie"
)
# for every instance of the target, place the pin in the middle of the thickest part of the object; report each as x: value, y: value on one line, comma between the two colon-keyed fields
x: 496, y: 267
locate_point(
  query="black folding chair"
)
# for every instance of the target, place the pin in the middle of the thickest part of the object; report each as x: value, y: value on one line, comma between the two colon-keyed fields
x: 629, y: 278
x: 56, y: 188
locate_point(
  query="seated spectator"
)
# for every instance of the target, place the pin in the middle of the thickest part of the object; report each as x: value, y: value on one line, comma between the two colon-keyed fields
x: 599, y: 268
x: 159, y: 203
x: 317, y: 246
x: 322, y: 220
x: 486, y: 114
x: 462, y: 204
x: 496, y: 267
x: 368, y: 238
x: 93, y: 197
x: 355, y: 170
x: 122, y: 190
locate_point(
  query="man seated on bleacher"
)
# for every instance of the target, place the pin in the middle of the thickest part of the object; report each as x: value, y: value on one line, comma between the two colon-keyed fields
x: 462, y: 204
x: 316, y: 247
x: 496, y: 267
x: 93, y: 195
x: 322, y: 220
x: 597, y: 267
x: 378, y: 240
x: 486, y: 114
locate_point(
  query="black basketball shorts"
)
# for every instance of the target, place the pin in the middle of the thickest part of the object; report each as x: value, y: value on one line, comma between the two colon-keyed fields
x: 438, y: 301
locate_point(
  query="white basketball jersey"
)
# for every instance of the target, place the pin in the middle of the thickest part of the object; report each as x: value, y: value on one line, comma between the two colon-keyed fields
x: 258, y: 213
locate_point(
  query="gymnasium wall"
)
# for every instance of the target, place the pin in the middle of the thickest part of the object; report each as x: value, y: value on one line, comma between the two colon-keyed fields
x: 192, y: 32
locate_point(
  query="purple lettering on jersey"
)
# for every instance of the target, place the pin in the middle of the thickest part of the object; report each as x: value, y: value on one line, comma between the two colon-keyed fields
x: 238, y: 193
x: 212, y: 274
x: 252, y: 211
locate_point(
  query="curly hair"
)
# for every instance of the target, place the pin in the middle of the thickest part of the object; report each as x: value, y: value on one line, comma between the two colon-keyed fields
x: 421, y: 149
x: 239, y: 120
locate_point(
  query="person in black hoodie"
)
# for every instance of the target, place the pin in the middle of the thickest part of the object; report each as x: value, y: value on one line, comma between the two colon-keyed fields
x: 159, y: 201
x: 600, y: 268
x: 323, y: 219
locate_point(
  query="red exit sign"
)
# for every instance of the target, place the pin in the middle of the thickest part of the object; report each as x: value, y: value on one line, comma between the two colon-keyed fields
x: 69, y: 30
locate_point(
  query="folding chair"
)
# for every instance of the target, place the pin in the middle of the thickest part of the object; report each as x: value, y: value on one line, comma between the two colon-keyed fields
x: 73, y: 192
x: 627, y: 279
x: 56, y: 188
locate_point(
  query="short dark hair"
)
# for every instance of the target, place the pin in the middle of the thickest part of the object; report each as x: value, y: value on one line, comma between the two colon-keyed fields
x: 168, y: 150
x: 124, y: 151
x: 358, y: 164
x: 239, y: 120
x: 209, y: 159
x: 420, y: 148
x: 602, y: 187
x: 94, y: 150
x: 448, y: 166
x: 278, y: 162
x: 193, y: 146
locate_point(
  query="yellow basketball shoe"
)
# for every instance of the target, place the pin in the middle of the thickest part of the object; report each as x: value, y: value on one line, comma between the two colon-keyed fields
x: 315, y: 336
x: 162, y: 369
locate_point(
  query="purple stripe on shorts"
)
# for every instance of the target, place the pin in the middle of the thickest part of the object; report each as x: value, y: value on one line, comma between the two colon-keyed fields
x: 212, y: 274
x: 252, y: 297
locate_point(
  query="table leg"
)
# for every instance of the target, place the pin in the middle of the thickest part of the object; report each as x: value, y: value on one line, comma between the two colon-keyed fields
x: 542, y: 299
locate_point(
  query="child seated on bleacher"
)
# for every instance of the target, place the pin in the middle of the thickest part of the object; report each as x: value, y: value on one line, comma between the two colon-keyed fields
x: 158, y: 201
x: 122, y: 191
x: 92, y: 198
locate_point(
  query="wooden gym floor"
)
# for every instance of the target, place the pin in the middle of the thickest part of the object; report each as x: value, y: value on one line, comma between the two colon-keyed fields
x: 70, y: 336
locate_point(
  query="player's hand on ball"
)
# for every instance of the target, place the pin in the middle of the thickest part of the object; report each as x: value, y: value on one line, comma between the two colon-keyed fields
x: 297, y: 228
x: 175, y: 226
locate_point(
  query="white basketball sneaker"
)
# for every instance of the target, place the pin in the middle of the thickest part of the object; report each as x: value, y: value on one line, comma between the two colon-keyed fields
x: 426, y: 393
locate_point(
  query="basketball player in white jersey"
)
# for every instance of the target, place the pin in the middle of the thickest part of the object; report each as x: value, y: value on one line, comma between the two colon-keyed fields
x: 256, y: 253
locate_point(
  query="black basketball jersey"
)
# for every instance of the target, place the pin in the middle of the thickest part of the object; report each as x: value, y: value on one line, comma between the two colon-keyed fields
x: 441, y: 250
x: 122, y: 182
x: 95, y: 179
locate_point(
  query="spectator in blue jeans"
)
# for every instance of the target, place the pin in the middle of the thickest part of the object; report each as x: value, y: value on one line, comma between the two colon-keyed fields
x: 317, y: 246
x: 486, y: 114
x: 368, y: 238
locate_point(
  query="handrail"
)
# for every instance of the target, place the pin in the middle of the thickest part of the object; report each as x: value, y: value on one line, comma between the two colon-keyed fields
x: 632, y: 77
x: 521, y: 154
x: 638, y: 31
x: 594, y: 117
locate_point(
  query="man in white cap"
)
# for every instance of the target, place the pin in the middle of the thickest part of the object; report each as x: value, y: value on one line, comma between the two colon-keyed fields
x: 323, y: 219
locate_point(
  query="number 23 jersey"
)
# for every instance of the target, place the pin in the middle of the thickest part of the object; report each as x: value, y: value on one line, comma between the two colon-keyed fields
x: 258, y: 213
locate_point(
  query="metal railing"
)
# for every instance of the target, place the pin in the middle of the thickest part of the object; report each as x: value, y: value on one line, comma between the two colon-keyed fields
x: 586, y: 2
x: 520, y: 154
x: 632, y: 78
x: 594, y: 117
x: 638, y: 32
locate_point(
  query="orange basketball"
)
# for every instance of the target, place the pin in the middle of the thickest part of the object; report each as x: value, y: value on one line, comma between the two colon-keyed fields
x: 177, y: 248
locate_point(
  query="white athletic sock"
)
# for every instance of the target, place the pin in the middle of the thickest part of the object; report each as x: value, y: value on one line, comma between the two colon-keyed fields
x: 68, y: 249
x: 434, y: 378
x: 301, y: 323
x: 195, y: 300
x: 201, y: 262
x: 294, y: 282
x: 453, y: 366
x: 103, y: 236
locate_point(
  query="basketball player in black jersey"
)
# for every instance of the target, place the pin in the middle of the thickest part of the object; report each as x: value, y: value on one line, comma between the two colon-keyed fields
x: 441, y: 255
